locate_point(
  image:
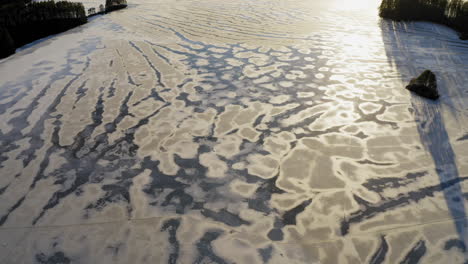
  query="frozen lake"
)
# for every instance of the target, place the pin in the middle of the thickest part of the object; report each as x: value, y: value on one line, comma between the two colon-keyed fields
x: 204, y: 131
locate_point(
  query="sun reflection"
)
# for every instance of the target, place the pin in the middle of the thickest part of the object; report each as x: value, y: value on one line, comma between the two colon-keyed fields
x: 357, y: 4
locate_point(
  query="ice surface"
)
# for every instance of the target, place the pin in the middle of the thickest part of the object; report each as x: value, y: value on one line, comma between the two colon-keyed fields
x: 235, y: 131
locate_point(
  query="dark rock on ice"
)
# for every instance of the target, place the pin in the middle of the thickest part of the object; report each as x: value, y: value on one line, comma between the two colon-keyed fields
x: 424, y: 85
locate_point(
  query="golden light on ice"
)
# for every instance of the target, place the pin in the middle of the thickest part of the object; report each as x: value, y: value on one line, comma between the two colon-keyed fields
x: 357, y: 4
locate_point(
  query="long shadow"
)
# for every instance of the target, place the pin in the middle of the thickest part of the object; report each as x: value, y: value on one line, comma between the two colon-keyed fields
x: 405, y: 47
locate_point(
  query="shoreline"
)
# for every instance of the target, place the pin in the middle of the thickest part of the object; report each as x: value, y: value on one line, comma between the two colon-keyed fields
x: 16, y: 32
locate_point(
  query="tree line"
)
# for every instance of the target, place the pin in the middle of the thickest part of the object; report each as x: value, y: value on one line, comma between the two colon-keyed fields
x: 22, y: 22
x: 112, y: 5
x: 453, y: 13
x: 92, y: 11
